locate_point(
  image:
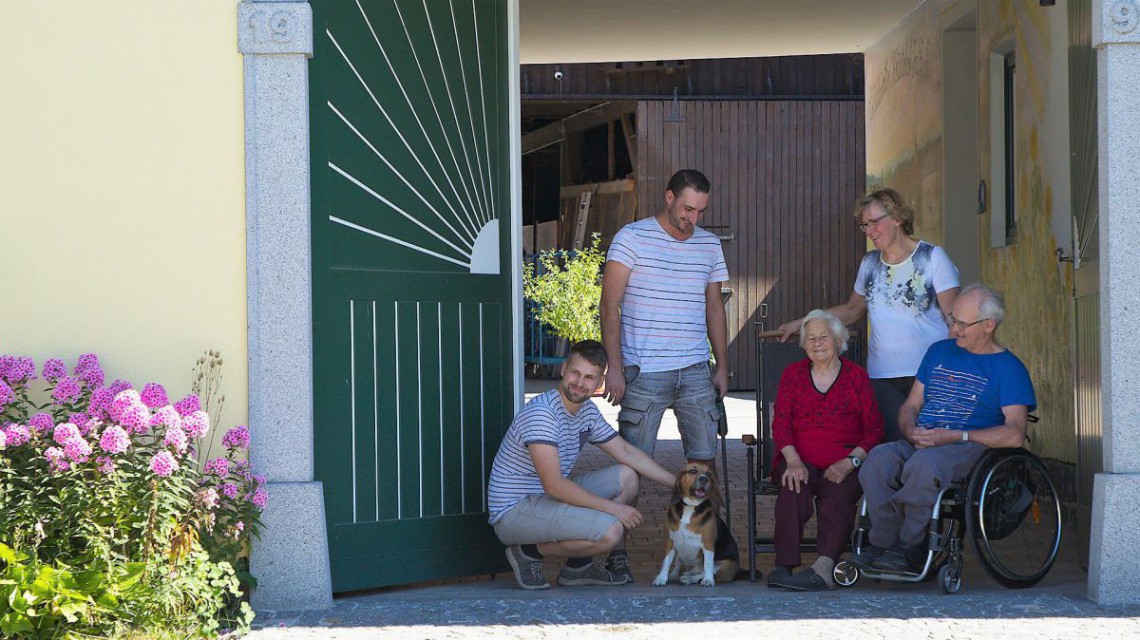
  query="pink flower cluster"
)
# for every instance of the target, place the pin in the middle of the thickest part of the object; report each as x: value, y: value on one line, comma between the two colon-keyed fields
x: 89, y: 371
x: 128, y: 410
x: 17, y: 434
x: 17, y: 369
x: 75, y: 449
x: 100, y: 403
x: 175, y: 439
x: 6, y: 393
x: 41, y: 422
x: 259, y: 498
x: 65, y: 432
x: 54, y: 369
x: 153, y: 395
x: 114, y: 440
x: 188, y: 405
x: 67, y: 390
x: 218, y: 466
x: 163, y: 464
x: 236, y: 438
x: 166, y: 417
x: 57, y: 459
x: 196, y: 423
x: 106, y: 464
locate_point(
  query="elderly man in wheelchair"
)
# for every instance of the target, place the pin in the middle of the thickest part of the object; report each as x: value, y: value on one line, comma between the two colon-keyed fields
x: 971, y: 395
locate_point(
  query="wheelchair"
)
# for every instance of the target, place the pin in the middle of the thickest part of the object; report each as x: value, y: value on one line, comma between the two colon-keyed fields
x: 1009, y: 510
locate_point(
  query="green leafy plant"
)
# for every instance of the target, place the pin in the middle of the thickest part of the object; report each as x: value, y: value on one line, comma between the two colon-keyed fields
x: 566, y: 290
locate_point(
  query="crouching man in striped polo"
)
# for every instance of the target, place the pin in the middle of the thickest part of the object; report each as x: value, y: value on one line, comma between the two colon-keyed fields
x: 661, y: 308
x: 539, y: 509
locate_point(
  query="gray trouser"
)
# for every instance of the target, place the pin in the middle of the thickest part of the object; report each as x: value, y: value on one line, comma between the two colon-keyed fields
x: 901, y: 484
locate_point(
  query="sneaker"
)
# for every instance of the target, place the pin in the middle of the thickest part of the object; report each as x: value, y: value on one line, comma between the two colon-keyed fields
x: 592, y: 574
x: 618, y: 564
x: 866, y: 557
x: 528, y: 571
x: 807, y: 580
x: 901, y: 557
x: 779, y: 574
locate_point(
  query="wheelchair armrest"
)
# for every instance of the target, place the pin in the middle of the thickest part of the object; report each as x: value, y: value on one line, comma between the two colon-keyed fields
x: 768, y: 488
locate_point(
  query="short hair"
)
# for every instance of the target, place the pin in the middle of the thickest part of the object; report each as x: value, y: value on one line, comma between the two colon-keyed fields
x: 834, y: 326
x: 591, y: 350
x: 992, y: 304
x: 688, y: 178
x: 892, y: 203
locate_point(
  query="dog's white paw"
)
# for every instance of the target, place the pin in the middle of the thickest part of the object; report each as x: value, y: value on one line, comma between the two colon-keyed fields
x: 688, y: 579
x: 660, y: 581
x: 708, y: 582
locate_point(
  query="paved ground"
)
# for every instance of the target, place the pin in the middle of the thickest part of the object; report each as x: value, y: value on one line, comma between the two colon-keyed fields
x: 487, y: 607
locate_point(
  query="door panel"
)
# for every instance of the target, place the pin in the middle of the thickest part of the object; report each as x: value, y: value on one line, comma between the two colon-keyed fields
x: 412, y: 292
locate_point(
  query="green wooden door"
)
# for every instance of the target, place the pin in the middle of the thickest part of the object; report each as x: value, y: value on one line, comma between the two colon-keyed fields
x: 412, y: 299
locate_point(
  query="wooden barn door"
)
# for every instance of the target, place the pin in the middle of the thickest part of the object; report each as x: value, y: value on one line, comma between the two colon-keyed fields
x: 785, y: 175
x: 412, y: 282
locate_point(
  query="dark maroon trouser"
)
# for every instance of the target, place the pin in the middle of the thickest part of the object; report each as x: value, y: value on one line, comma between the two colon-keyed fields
x: 836, y: 505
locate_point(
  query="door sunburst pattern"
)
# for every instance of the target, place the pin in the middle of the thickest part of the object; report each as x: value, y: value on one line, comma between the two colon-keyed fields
x: 416, y: 125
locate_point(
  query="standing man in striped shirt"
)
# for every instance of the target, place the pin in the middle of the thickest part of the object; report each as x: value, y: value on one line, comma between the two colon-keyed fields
x: 539, y: 509
x: 661, y: 308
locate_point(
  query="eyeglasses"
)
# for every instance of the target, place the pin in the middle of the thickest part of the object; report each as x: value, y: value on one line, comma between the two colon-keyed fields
x: 962, y: 326
x: 873, y: 222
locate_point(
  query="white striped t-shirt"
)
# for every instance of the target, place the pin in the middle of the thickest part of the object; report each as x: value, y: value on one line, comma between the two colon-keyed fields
x: 663, y: 324
x: 544, y: 420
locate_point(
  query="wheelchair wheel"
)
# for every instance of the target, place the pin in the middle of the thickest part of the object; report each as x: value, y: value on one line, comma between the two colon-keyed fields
x: 845, y: 574
x: 950, y: 579
x: 1013, y: 517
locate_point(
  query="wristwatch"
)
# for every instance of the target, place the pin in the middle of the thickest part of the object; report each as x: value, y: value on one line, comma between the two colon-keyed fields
x: 856, y: 461
x: 965, y: 436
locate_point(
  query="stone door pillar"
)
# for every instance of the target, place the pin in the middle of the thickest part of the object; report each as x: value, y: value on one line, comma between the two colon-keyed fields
x: 291, y: 560
x: 1115, y: 532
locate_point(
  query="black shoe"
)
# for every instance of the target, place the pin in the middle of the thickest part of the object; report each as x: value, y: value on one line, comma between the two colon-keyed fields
x: 592, y: 574
x: 528, y: 571
x: 807, y: 580
x: 902, y: 557
x: 867, y: 556
x: 618, y: 564
x: 778, y: 575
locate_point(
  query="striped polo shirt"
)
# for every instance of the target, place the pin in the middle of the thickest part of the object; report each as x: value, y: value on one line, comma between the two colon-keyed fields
x: 663, y: 324
x: 543, y: 420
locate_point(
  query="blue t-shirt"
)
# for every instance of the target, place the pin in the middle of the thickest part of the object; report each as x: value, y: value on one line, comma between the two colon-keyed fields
x: 966, y: 390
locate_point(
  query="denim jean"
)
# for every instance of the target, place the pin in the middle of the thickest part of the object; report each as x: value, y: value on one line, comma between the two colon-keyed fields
x: 688, y: 391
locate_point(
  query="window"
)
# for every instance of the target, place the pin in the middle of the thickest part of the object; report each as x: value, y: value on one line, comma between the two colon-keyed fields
x: 1002, y: 180
x: 1010, y: 177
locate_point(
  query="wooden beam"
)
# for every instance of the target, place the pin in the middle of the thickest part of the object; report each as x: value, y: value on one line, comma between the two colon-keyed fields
x: 587, y: 119
x: 611, y: 157
x: 630, y: 135
x: 599, y: 188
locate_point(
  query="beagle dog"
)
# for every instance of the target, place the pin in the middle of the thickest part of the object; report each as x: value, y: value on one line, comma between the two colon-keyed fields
x: 700, y: 548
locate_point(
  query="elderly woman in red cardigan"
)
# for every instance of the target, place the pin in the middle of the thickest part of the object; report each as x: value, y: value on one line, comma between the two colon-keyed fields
x: 826, y: 421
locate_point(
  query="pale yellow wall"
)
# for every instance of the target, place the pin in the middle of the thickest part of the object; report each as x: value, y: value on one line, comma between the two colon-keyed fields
x: 122, y: 212
x: 904, y: 150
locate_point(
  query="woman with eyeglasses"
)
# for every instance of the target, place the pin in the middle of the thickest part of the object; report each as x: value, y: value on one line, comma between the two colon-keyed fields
x: 907, y: 287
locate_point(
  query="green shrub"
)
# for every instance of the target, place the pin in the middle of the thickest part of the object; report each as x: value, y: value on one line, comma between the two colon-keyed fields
x: 567, y: 291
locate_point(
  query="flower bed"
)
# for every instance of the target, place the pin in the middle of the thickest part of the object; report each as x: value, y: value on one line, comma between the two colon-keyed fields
x: 109, y: 521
